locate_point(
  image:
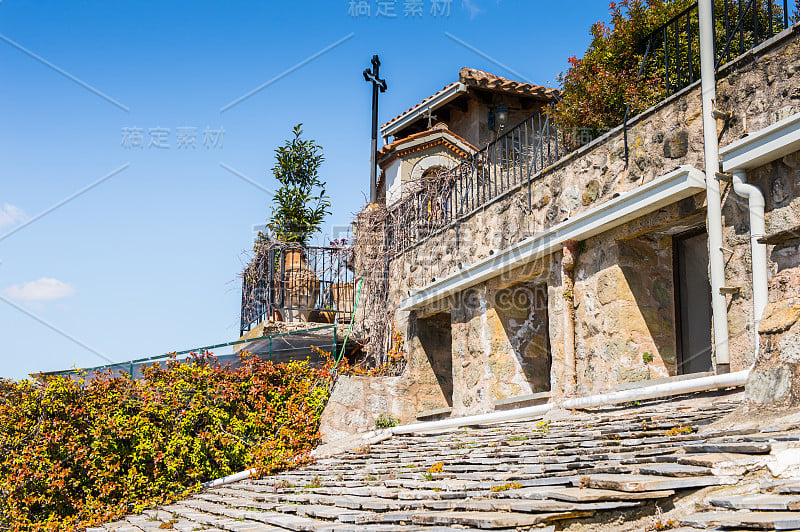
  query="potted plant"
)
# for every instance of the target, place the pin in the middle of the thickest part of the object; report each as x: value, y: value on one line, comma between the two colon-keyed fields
x: 299, y: 207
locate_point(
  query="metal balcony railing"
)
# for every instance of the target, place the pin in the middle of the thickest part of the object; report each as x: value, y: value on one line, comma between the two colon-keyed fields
x: 672, y: 50
x: 513, y: 159
x: 291, y: 283
x: 670, y: 53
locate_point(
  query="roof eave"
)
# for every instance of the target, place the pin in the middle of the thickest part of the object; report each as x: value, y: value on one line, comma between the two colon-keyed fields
x: 404, y: 120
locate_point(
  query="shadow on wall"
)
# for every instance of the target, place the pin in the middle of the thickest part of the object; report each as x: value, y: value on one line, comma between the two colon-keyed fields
x: 436, y: 340
x: 522, y: 310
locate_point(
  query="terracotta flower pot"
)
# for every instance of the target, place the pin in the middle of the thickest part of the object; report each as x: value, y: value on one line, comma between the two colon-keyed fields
x: 300, y: 285
x: 343, y: 296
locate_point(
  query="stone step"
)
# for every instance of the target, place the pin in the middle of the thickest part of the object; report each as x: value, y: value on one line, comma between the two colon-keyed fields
x: 492, y: 520
x: 745, y: 519
x: 758, y: 502
x: 635, y: 483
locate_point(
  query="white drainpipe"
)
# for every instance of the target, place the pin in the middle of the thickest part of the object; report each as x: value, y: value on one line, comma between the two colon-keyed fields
x: 758, y: 251
x: 701, y: 384
x: 714, y: 207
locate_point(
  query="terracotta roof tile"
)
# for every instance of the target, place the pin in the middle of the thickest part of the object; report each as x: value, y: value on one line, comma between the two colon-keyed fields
x: 436, y: 128
x: 472, y: 77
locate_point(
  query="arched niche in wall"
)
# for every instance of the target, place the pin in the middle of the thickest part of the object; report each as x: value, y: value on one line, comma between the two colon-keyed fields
x: 431, y: 163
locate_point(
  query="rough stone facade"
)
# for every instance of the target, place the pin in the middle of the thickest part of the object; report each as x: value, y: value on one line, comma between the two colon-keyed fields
x: 624, y: 284
x: 775, y: 378
x: 624, y: 293
x: 357, y: 401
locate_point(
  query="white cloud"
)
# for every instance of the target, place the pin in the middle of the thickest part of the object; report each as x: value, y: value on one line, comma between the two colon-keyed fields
x: 45, y: 289
x: 472, y: 8
x: 11, y: 215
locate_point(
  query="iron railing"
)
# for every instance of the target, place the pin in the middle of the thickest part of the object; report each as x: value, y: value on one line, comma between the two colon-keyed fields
x: 670, y: 53
x: 435, y: 202
x: 291, y: 283
x: 672, y: 50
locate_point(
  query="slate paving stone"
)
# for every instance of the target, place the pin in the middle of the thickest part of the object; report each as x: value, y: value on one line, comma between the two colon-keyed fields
x: 635, y: 483
x: 674, y: 470
x: 745, y: 519
x: 729, y: 447
x: 758, y: 502
x: 509, y: 477
x: 596, y: 495
x: 490, y: 520
x: 713, y: 460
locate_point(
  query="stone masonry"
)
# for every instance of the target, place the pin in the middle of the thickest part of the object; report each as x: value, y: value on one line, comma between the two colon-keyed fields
x: 623, y: 279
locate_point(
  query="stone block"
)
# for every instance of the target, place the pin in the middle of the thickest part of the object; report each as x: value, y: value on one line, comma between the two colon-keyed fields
x: 769, y: 385
x: 612, y: 286
x: 591, y: 193
x: 779, y: 316
x: 676, y: 144
x: 625, y: 374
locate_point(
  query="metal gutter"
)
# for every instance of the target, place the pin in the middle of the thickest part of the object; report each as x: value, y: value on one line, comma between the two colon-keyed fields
x: 758, y: 251
x: 757, y: 149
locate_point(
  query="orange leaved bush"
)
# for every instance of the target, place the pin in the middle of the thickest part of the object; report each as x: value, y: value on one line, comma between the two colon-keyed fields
x: 75, y: 453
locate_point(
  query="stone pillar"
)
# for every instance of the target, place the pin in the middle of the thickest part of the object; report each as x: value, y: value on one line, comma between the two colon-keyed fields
x: 775, y: 378
x: 568, y: 283
x: 370, y: 256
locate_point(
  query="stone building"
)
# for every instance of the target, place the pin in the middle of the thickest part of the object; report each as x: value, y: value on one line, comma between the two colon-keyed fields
x: 451, y: 125
x: 544, y: 276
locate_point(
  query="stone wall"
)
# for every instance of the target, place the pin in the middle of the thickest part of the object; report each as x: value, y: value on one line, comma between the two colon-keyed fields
x: 623, y: 295
x: 625, y: 300
x: 357, y: 401
x: 775, y: 379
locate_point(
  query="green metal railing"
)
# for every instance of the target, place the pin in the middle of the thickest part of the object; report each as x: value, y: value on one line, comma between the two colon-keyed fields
x: 129, y: 365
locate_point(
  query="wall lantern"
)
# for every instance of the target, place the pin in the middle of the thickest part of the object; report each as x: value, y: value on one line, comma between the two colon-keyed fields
x: 498, y: 117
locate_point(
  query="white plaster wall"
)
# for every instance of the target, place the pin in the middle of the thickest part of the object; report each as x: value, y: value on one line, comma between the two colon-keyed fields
x: 393, y: 182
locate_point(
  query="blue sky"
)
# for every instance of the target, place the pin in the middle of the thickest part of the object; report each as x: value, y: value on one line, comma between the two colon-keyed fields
x: 146, y: 260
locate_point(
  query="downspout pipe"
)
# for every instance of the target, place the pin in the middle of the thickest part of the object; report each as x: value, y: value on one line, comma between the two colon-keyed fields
x: 713, y: 197
x: 758, y: 251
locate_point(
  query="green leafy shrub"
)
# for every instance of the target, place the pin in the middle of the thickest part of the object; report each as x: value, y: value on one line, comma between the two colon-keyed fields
x: 300, y: 204
x: 597, y: 88
x: 385, y: 422
x: 75, y: 453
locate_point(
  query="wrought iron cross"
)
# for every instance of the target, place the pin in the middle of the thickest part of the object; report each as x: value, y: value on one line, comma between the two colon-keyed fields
x: 377, y: 84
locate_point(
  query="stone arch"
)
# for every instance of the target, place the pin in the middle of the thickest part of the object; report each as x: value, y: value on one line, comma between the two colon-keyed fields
x: 431, y: 162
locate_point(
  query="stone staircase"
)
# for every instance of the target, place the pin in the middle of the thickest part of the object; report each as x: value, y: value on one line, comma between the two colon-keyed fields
x: 610, y: 465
